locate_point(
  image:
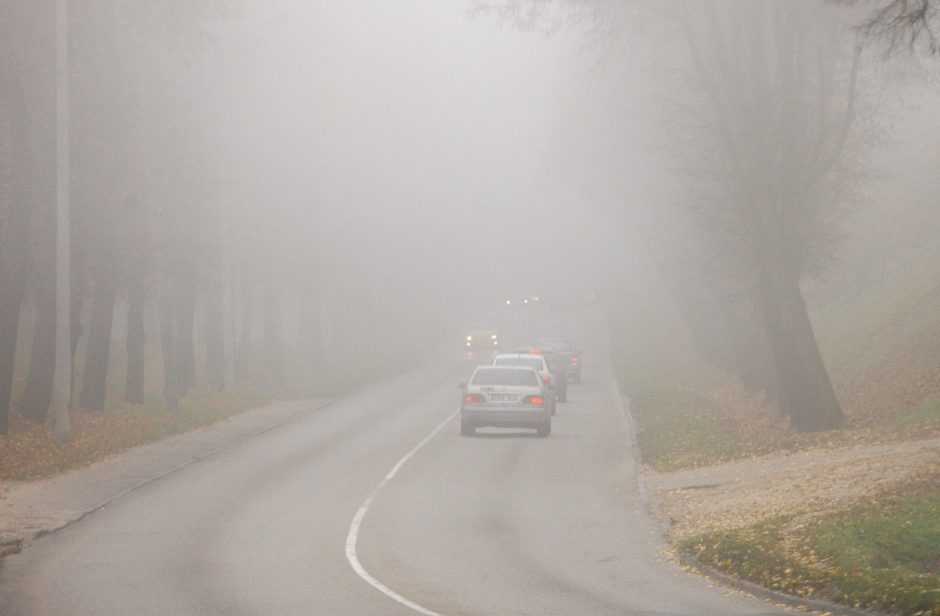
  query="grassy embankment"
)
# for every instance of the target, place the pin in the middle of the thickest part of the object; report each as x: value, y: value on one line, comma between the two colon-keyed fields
x: 882, y: 346
x: 883, y: 555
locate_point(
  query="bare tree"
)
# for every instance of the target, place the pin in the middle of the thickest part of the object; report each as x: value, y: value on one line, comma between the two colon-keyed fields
x: 763, y: 139
x: 902, y: 24
x: 15, y: 206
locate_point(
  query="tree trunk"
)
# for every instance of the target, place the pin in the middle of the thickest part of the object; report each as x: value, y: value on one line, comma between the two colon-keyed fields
x: 16, y: 168
x: 309, y: 331
x: 244, y: 352
x: 273, y: 351
x: 752, y: 361
x: 37, y: 396
x: 98, y: 350
x: 137, y: 277
x: 215, y: 334
x: 185, y: 322
x: 12, y: 284
x: 170, y: 373
x: 79, y: 275
x: 805, y: 392
x: 136, y: 341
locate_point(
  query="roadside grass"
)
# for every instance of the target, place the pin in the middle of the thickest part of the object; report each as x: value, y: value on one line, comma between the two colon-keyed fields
x: 691, y: 415
x: 31, y: 451
x: 882, y: 555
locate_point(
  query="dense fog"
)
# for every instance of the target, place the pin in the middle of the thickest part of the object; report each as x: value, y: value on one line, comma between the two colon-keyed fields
x: 469, y: 307
x: 310, y: 184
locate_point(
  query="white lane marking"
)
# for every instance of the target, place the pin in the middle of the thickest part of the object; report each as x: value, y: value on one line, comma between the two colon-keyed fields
x: 353, y: 535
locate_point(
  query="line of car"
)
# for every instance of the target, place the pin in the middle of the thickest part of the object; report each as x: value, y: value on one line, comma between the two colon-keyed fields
x: 520, y: 389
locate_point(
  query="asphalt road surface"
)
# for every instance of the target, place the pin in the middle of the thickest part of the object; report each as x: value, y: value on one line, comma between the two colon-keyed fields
x: 305, y: 519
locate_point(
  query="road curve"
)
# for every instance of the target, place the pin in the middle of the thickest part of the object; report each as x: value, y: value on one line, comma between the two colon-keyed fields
x: 503, y: 523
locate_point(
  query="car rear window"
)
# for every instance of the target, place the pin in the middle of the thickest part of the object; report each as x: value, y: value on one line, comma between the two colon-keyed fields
x: 505, y: 376
x: 530, y: 362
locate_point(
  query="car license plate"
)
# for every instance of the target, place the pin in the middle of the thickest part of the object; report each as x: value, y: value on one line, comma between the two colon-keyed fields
x: 503, y: 397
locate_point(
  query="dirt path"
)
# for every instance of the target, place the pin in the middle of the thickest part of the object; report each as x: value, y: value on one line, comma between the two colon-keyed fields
x: 741, y: 493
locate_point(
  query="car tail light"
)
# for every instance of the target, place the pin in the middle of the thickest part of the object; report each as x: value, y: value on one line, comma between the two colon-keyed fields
x: 546, y: 378
x: 535, y: 400
x: 471, y: 398
x: 575, y: 359
x: 534, y: 352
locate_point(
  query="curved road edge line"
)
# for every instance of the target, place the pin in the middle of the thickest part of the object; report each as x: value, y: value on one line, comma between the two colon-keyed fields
x: 356, y: 524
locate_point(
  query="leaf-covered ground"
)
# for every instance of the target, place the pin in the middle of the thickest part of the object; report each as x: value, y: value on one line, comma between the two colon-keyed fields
x: 31, y: 451
x: 690, y: 415
x: 882, y: 554
x: 859, y: 525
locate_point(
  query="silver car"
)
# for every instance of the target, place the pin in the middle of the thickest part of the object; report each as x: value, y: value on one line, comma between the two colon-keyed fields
x: 533, y: 361
x: 505, y: 397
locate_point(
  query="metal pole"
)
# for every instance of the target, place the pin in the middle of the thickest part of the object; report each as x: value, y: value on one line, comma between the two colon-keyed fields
x: 63, y: 354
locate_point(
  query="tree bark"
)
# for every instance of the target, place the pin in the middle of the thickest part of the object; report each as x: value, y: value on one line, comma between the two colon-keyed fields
x: 136, y: 342
x: 244, y: 352
x: 98, y: 350
x: 273, y: 351
x: 170, y: 373
x: 12, y: 282
x: 37, y: 396
x: 215, y: 333
x: 309, y: 330
x: 752, y: 355
x: 9, y: 330
x: 79, y: 282
x: 805, y: 392
x: 185, y: 323
x: 138, y: 272
x: 16, y: 166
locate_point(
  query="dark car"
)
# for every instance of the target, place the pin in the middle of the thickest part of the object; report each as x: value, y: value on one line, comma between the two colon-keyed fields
x: 557, y: 365
x: 569, y: 352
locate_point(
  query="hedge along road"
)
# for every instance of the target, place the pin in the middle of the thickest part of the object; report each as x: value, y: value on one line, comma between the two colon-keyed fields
x: 503, y: 523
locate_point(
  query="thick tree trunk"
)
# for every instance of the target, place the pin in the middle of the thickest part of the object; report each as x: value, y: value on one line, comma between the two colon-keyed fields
x: 185, y: 323
x: 37, y: 396
x: 98, y: 350
x: 215, y: 334
x: 752, y: 356
x: 805, y: 392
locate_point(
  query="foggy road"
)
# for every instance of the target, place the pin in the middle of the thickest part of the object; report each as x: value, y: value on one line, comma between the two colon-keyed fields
x: 503, y: 523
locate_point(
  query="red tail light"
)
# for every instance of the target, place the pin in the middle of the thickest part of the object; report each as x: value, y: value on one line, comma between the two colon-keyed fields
x: 535, y: 400
x: 546, y: 378
x: 534, y: 352
x: 471, y: 398
x: 575, y: 359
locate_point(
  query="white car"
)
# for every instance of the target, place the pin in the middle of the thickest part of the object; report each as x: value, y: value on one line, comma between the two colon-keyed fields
x: 532, y: 361
x: 505, y: 397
